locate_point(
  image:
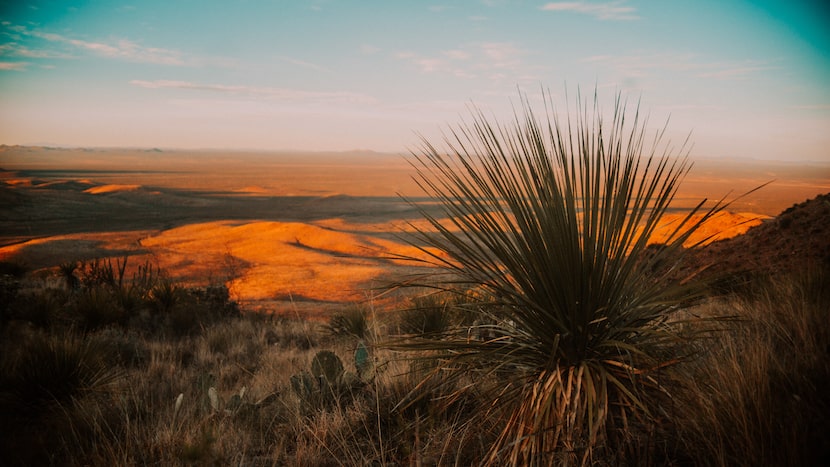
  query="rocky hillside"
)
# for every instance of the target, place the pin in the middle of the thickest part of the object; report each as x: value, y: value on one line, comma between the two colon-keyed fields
x: 796, y: 239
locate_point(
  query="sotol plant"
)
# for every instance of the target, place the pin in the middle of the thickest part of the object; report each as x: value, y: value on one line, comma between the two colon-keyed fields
x: 550, y: 220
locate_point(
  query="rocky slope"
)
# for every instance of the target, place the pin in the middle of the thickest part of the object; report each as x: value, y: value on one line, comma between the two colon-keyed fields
x: 797, y: 239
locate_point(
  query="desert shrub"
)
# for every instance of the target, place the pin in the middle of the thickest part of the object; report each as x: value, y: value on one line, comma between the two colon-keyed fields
x: 165, y: 295
x: 13, y: 269
x: 43, y: 308
x: 758, y: 395
x: 217, y: 300
x: 67, y: 273
x: 436, y: 312
x: 44, y: 371
x: 185, y: 320
x: 428, y: 315
x: 551, y: 221
x: 101, y: 272
x: 97, y: 307
x: 352, y: 321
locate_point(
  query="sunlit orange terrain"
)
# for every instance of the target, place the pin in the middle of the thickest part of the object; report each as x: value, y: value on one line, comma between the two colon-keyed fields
x: 721, y: 226
x: 284, y: 232
x: 279, y: 260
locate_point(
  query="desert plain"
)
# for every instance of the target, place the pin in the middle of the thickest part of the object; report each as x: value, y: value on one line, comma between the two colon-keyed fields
x: 287, y: 232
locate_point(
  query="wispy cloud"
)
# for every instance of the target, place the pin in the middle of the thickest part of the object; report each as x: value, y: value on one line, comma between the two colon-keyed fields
x: 13, y: 66
x: 13, y: 49
x: 305, y: 64
x: 369, y: 49
x: 615, y: 11
x: 122, y: 49
x: 473, y: 60
x: 456, y: 54
x: 501, y: 54
x: 282, y: 94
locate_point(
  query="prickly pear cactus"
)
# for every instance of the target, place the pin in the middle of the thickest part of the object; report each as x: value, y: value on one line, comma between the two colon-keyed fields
x: 303, y: 385
x: 362, y: 362
x: 236, y: 401
x: 327, y: 366
x: 215, y: 400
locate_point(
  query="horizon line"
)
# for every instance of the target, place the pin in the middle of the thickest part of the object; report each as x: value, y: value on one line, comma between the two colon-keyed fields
x: 336, y: 151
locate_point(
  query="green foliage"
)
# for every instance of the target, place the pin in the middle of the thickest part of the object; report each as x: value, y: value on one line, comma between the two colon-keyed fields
x: 551, y: 220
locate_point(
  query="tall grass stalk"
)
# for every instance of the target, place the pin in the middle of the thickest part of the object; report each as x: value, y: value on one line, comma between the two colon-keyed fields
x: 550, y: 218
x: 758, y: 395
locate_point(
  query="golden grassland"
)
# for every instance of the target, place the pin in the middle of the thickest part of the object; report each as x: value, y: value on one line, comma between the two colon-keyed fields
x: 288, y: 230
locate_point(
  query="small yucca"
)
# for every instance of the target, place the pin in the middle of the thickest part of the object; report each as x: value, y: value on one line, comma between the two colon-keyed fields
x: 550, y: 220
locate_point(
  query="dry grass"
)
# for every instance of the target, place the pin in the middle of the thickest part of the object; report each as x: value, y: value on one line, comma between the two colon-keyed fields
x: 758, y: 394
x: 755, y: 395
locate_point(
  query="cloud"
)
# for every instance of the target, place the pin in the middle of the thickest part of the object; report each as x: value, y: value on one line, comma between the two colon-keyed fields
x: 471, y: 60
x: 122, y: 49
x: 501, y: 54
x: 13, y: 66
x: 16, y: 50
x: 456, y: 54
x: 614, y: 11
x: 304, y: 64
x: 281, y: 94
x: 369, y: 49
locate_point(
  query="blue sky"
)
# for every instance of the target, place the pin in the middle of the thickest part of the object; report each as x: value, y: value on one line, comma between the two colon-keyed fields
x: 747, y: 78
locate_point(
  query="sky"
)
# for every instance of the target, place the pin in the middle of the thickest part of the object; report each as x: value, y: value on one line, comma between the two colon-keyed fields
x: 747, y: 79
